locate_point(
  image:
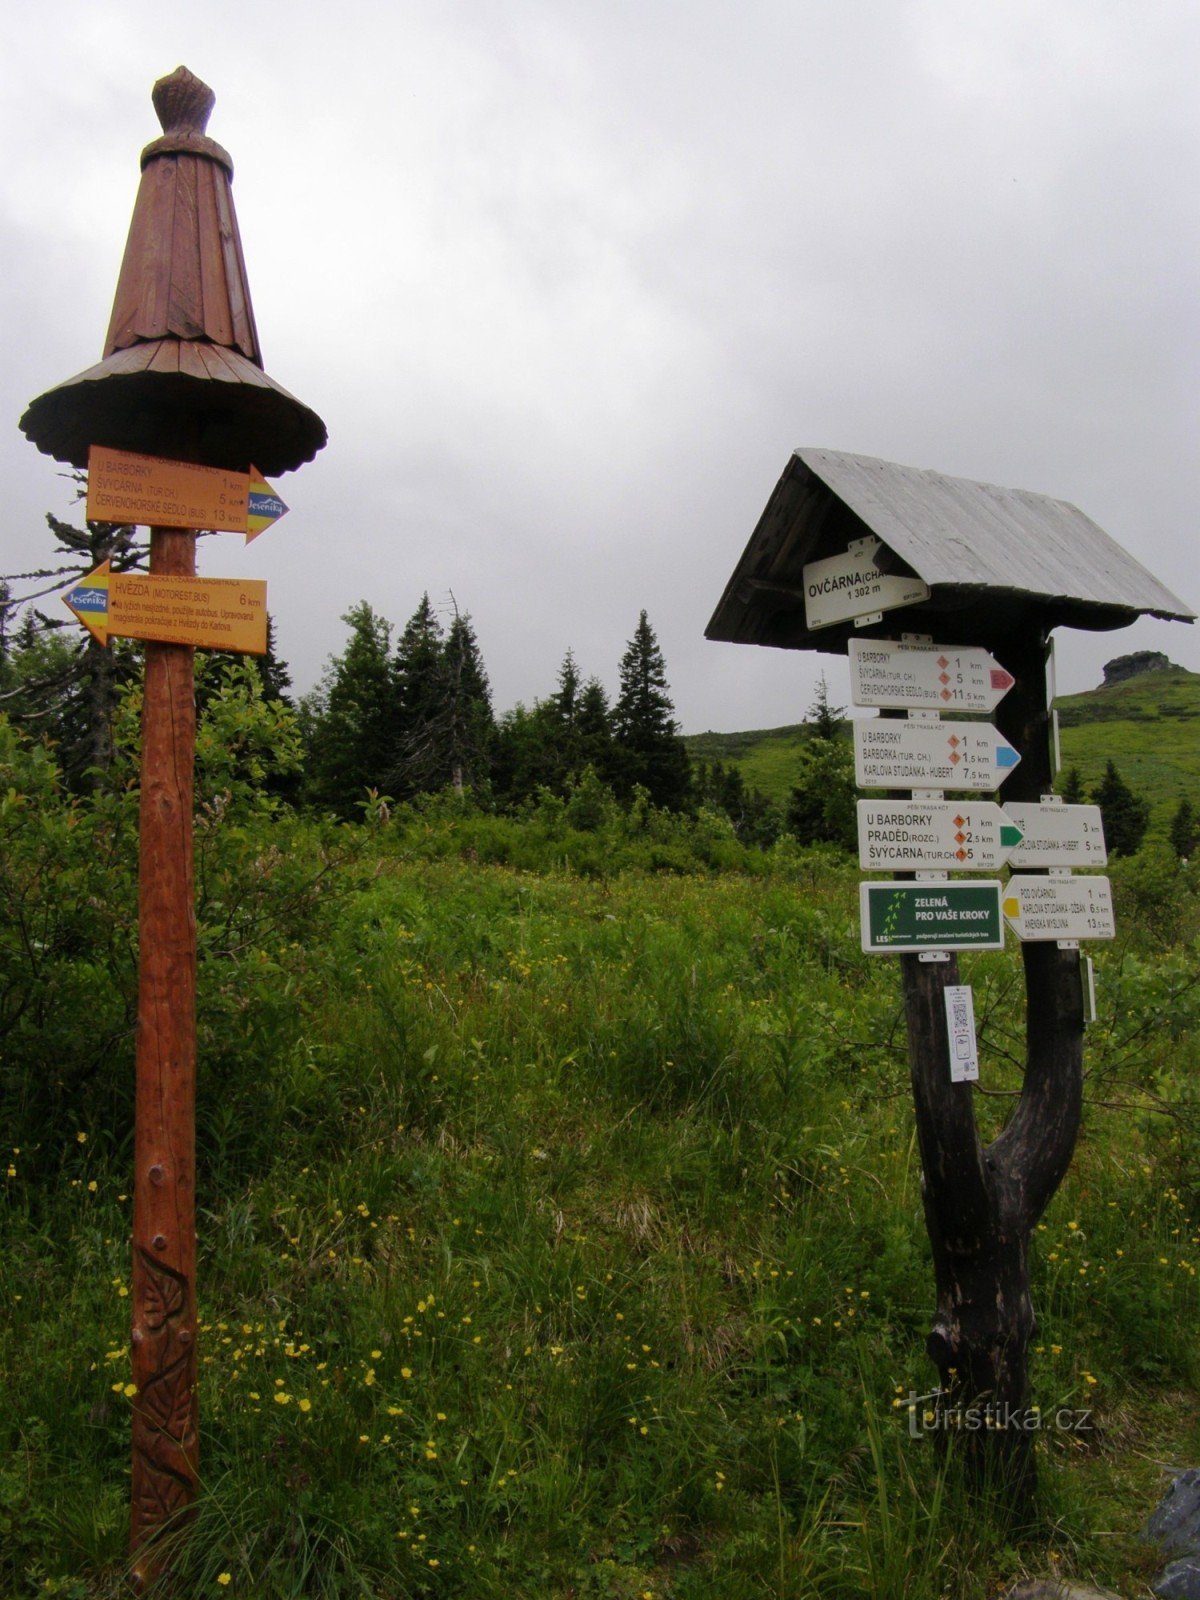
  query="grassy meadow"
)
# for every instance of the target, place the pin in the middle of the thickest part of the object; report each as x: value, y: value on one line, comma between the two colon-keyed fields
x: 559, y: 1215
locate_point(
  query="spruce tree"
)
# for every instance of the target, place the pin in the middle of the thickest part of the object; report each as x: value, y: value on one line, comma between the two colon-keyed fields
x: 1071, y: 787
x: 443, y: 724
x: 60, y: 683
x: 272, y: 670
x: 593, y: 727
x: 348, y: 720
x: 1126, y: 816
x: 465, y: 725
x: 821, y: 807
x: 418, y: 702
x: 825, y: 720
x: 649, y: 753
x: 519, y: 753
x: 275, y: 683
x: 565, y: 698
x: 559, y: 725
x: 756, y: 820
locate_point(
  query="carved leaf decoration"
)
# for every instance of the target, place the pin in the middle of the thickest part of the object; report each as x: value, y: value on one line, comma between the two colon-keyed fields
x: 166, y: 1400
x: 162, y: 1494
x: 164, y: 1291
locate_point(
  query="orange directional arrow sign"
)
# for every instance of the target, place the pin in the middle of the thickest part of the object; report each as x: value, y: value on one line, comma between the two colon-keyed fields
x: 207, y: 613
x: 123, y: 487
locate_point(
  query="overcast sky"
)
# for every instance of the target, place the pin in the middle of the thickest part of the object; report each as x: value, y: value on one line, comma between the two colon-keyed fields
x: 568, y: 282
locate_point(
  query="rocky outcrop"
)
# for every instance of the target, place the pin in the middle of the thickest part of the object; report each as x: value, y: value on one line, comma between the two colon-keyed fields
x: 1175, y: 1529
x: 1122, y: 668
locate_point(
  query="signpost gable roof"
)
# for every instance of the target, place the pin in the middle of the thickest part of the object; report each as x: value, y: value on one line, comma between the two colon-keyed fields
x: 995, y: 557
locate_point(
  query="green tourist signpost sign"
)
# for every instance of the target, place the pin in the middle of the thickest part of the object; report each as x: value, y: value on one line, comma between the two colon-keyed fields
x: 899, y: 918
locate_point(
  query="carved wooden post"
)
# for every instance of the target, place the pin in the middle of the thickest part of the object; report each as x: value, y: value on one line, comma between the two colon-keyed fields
x: 166, y: 1408
x: 182, y: 378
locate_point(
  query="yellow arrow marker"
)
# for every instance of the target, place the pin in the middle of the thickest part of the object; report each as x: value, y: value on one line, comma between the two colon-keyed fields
x: 207, y: 613
x: 1012, y: 908
x: 89, y: 601
x: 265, y: 506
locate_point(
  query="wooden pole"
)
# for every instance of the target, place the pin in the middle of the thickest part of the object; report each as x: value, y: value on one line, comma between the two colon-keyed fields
x: 165, y: 1410
x: 981, y: 1204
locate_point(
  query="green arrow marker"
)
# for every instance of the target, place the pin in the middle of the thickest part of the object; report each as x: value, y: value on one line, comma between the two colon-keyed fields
x: 1010, y: 837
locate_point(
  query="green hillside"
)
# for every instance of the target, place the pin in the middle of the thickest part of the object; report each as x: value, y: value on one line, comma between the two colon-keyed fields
x: 767, y: 757
x: 1149, y: 725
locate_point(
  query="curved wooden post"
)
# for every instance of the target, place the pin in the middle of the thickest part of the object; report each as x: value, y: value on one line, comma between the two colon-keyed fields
x: 981, y: 1204
x: 165, y: 1410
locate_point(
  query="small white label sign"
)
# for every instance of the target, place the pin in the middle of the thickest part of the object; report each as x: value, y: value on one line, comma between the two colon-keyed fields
x: 960, y: 1029
x: 1059, y: 908
x: 851, y: 585
x: 1057, y: 835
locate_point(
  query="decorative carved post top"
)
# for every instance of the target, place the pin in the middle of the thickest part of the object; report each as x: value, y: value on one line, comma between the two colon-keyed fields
x: 184, y: 103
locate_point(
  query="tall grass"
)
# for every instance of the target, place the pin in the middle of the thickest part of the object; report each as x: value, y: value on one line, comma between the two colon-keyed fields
x: 561, y: 1234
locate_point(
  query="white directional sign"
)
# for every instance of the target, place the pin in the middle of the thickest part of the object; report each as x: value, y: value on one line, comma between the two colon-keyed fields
x: 934, y: 835
x: 1057, y: 835
x: 851, y: 585
x: 1059, y: 908
x: 890, y: 753
x: 926, y: 677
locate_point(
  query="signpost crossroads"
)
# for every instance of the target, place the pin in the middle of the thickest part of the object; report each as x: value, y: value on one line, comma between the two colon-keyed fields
x: 1003, y: 569
x: 893, y: 753
x: 925, y: 677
